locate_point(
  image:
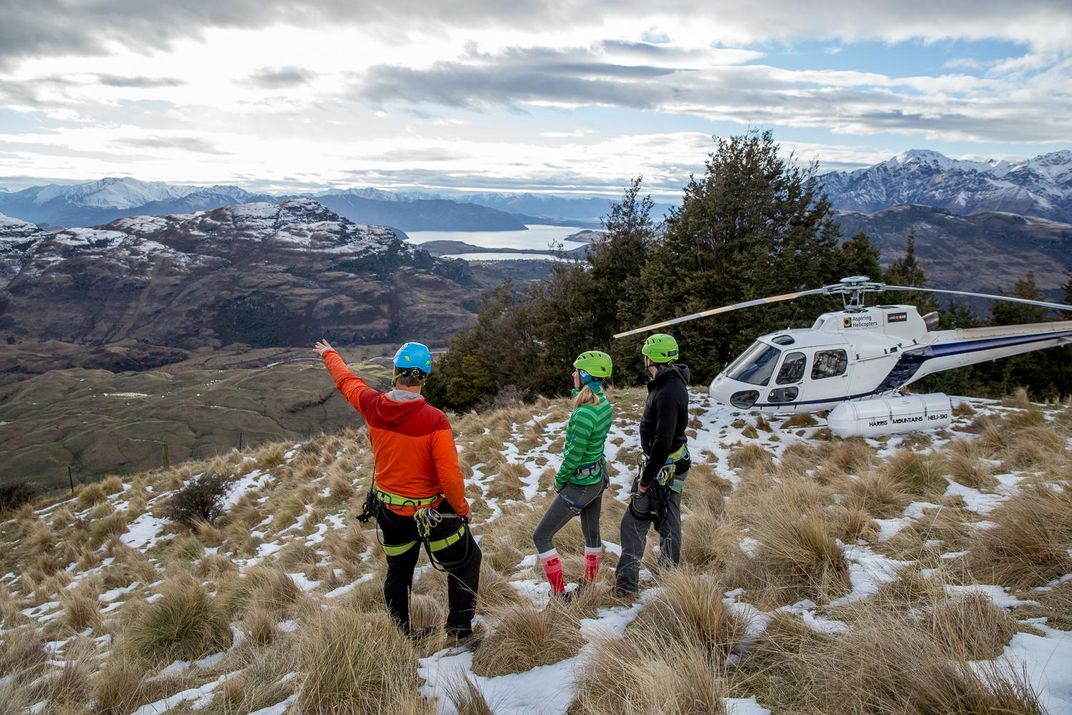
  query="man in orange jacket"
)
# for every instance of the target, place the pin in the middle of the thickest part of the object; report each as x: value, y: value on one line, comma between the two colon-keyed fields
x: 418, y: 485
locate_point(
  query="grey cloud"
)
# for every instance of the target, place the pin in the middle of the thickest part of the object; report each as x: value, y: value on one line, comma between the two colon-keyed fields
x: 430, y: 154
x: 59, y: 27
x: 111, y: 80
x: 190, y: 144
x: 280, y: 77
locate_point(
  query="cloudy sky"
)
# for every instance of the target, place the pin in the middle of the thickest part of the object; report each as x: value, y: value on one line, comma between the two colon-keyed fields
x: 566, y: 96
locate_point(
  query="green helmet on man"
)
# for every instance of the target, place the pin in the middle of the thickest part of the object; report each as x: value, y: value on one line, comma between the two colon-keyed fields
x: 595, y: 363
x: 660, y: 348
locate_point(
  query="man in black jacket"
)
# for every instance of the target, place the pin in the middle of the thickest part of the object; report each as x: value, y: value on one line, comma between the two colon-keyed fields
x: 656, y: 496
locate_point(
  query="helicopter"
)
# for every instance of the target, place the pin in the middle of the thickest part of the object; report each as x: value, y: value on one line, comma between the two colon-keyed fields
x: 856, y: 361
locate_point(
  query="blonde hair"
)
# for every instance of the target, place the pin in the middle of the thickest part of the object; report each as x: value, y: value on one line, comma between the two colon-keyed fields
x: 586, y: 396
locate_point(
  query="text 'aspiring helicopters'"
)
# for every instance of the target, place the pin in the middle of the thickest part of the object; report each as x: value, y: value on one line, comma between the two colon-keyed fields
x: 856, y: 360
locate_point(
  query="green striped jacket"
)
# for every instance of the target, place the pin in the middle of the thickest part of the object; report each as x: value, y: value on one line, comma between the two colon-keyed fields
x: 587, y: 430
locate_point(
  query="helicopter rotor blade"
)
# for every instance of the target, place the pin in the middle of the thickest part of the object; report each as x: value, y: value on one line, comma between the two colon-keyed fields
x: 1041, y: 303
x: 723, y: 309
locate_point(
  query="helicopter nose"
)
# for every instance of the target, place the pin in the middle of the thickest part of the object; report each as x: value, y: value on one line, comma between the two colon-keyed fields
x: 730, y: 392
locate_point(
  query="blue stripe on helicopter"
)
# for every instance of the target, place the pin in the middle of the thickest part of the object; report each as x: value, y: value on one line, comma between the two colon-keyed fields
x: 911, y: 360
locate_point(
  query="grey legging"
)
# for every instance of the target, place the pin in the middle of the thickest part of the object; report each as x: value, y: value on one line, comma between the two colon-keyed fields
x: 588, y: 499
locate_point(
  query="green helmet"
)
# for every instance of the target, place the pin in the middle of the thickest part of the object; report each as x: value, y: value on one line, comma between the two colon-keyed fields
x: 595, y: 363
x: 660, y: 347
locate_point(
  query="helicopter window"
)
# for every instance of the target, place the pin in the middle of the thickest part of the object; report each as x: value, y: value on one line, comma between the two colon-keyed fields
x: 829, y: 363
x: 783, y: 394
x: 792, y: 369
x: 756, y: 366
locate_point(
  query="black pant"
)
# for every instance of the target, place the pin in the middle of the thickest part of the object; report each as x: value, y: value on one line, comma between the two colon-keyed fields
x: 461, y: 559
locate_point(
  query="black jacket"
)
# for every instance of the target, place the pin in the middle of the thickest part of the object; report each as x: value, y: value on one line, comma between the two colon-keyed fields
x: 666, y: 415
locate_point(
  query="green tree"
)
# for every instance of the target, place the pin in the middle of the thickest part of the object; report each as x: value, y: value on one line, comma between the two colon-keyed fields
x: 617, y: 293
x: 753, y: 225
x: 860, y: 258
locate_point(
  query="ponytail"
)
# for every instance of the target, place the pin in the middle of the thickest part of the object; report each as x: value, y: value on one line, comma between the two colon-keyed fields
x: 586, y: 396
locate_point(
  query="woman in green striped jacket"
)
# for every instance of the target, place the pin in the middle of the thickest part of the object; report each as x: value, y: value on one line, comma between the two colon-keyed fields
x: 581, y: 479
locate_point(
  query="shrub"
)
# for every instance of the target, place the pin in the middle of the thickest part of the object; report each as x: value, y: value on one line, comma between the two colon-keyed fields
x: 200, y: 499
x: 16, y: 493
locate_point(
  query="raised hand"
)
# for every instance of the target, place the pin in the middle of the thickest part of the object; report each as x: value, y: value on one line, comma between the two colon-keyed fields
x: 322, y: 346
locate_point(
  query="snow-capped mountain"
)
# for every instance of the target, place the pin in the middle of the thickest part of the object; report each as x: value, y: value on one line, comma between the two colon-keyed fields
x: 97, y: 202
x: 1041, y: 186
x: 259, y: 274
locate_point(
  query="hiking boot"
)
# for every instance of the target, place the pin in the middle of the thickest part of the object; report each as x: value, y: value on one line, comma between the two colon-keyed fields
x: 419, y: 634
x: 463, y: 639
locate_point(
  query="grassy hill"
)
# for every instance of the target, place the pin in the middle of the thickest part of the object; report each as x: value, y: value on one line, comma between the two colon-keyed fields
x: 99, y: 422
x: 929, y: 573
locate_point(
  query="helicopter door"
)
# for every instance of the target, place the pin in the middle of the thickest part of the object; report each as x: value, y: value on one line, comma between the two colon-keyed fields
x: 789, y: 379
x: 829, y: 375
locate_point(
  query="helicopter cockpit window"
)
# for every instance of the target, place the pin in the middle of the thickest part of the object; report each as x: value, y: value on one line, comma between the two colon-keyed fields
x: 829, y: 363
x: 792, y: 369
x: 756, y: 366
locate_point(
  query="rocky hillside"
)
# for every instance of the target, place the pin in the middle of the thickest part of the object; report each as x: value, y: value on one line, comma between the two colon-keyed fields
x: 259, y: 274
x: 919, y: 574
x: 1041, y: 186
x: 982, y: 252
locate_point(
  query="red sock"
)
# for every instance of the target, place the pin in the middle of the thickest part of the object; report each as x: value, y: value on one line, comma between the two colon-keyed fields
x: 592, y: 557
x: 552, y: 568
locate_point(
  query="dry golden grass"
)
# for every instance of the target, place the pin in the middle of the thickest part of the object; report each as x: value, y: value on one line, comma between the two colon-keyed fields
x: 1033, y: 448
x: 915, y: 473
x: 357, y: 663
x: 750, y: 456
x: 797, y: 556
x: 970, y: 628
x: 81, y: 609
x: 632, y: 675
x: 260, y: 586
x: 962, y: 460
x: 525, y: 637
x: 709, y: 541
x: 467, y: 699
x: 90, y: 495
x: 1029, y: 545
x: 689, y: 609
x: 799, y: 420
x: 184, y: 624
x: 340, y: 486
x: 1054, y: 604
x: 112, y: 485
x: 878, y: 494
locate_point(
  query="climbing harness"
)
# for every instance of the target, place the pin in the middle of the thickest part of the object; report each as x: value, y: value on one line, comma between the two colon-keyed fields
x: 428, y: 519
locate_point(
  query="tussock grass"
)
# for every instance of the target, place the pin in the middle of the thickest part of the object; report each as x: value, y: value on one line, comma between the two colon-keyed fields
x: 851, y: 456
x: 798, y: 556
x: 962, y: 460
x: 120, y: 686
x: 916, y: 473
x: 878, y: 494
x: 709, y: 541
x: 525, y: 637
x: 184, y: 624
x: 357, y: 663
x: 802, y: 419
x: 690, y: 609
x: 506, y: 484
x: 1054, y: 604
x: 112, y: 485
x: 1029, y: 545
x: 340, y: 487
x: 467, y: 699
x: 1033, y: 448
x: 90, y: 495
x: 850, y: 525
x: 260, y: 586
x: 750, y: 456
x: 631, y: 675
x: 81, y: 609
x: 970, y: 628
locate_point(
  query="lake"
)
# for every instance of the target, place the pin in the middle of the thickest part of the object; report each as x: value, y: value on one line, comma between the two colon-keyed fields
x: 537, y: 237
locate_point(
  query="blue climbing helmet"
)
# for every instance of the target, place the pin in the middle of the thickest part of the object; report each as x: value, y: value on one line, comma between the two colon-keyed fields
x: 414, y: 355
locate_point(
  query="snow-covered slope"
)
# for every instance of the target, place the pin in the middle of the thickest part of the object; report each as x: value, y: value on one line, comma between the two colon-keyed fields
x: 289, y: 512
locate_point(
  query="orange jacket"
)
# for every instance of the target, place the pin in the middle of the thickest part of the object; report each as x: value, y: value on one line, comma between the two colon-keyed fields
x: 411, y: 440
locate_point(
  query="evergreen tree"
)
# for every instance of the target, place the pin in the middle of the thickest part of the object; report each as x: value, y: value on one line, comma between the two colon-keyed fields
x: 754, y: 225
x: 617, y: 292
x: 860, y: 258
